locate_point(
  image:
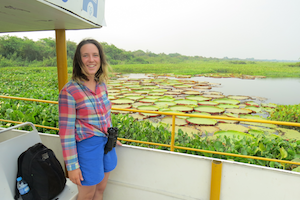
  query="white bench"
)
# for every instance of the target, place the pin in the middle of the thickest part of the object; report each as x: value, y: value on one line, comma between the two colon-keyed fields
x: 9, y: 152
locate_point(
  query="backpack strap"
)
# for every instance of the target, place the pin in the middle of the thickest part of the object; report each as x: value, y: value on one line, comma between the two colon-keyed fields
x: 19, y: 173
x: 37, y: 147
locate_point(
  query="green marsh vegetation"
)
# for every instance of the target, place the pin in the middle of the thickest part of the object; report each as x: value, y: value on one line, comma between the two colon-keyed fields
x: 36, y: 78
x: 41, y: 83
x: 215, y: 67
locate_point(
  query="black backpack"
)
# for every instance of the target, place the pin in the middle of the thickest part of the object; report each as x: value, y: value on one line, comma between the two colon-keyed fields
x: 39, y: 167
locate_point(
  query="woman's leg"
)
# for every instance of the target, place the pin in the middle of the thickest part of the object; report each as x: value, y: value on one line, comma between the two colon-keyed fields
x: 100, y: 187
x: 86, y: 192
x: 94, y: 192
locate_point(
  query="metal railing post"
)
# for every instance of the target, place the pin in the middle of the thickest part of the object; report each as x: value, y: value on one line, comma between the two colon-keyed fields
x: 215, y: 185
x: 173, y: 133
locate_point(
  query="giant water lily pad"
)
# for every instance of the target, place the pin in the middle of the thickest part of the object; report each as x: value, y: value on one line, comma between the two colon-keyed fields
x: 185, y: 102
x: 183, y: 76
x: 252, y: 117
x: 182, y: 108
x: 134, y: 87
x: 213, y: 93
x: 110, y: 97
x: 156, y: 93
x: 227, y: 106
x: 138, y: 116
x: 166, y: 98
x: 150, y: 87
x: 120, y: 96
x: 256, y: 132
x: 191, y: 92
x: 149, y: 114
x: 267, y: 131
x: 239, y: 111
x: 227, y: 121
x: 213, y: 96
x: 150, y: 108
x: 210, y: 109
x: 208, y: 103
x: 227, y: 101
x: 232, y: 133
x: 166, y: 103
x: 260, y: 124
x: 137, y: 104
x: 113, y: 91
x: 254, y: 109
x: 147, y: 100
x: 238, y: 97
x: 142, y: 91
x: 270, y: 105
x: 252, y: 103
x: 159, y: 90
x: 168, y: 110
x: 124, y: 106
x: 201, y: 121
x: 126, y: 91
x: 182, y: 86
x: 198, y: 98
x: 131, y: 94
x: 190, y: 131
x: 172, y: 93
x: 135, y: 97
x: 209, y: 130
x: 120, y: 87
x: 289, y: 133
x: 120, y: 112
x: 122, y: 101
x: 178, y: 121
x: 235, y: 127
x: 231, y: 115
x: 114, y: 84
x: 177, y: 90
x: 152, y: 97
x: 200, y: 113
x: 202, y: 87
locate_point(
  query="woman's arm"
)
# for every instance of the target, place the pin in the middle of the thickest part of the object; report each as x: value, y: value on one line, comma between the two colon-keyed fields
x: 67, y: 117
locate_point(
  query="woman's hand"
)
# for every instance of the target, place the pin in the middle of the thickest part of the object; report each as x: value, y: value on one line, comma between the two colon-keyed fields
x: 75, y: 176
x: 119, y: 143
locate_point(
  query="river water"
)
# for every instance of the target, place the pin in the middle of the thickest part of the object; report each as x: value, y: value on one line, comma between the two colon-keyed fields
x: 284, y: 91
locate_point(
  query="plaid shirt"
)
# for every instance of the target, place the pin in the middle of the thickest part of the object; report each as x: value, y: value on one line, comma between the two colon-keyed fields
x: 82, y: 114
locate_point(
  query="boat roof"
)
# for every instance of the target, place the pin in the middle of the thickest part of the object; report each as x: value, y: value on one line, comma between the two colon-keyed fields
x: 39, y: 15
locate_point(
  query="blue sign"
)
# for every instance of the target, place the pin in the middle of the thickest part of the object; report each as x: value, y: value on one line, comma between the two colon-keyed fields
x: 64, y: 0
x: 91, y: 7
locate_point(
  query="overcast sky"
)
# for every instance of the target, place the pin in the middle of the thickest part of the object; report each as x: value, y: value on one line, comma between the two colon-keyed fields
x: 260, y: 29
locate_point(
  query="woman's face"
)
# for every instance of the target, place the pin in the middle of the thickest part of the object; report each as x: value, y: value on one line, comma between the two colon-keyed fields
x: 90, y: 58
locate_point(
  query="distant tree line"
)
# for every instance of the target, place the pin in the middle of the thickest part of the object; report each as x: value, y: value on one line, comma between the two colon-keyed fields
x: 16, y: 51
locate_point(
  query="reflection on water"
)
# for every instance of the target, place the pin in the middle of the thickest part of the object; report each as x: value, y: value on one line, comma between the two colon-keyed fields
x: 284, y: 91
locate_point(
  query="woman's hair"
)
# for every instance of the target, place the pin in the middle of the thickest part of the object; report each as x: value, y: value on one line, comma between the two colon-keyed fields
x: 78, y: 72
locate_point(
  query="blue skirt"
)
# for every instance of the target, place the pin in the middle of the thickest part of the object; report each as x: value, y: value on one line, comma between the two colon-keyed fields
x: 92, y: 160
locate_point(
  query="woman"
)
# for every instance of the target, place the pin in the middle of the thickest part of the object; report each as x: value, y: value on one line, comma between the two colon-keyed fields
x: 84, y: 117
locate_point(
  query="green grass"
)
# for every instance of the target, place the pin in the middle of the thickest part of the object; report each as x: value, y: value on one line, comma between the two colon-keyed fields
x: 268, y: 69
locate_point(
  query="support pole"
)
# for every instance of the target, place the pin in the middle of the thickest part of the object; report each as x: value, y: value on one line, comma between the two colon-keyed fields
x: 61, y: 55
x: 173, y: 133
x: 216, y: 174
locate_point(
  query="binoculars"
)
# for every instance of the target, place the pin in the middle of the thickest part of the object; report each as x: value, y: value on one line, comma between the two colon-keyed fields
x: 112, y: 139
